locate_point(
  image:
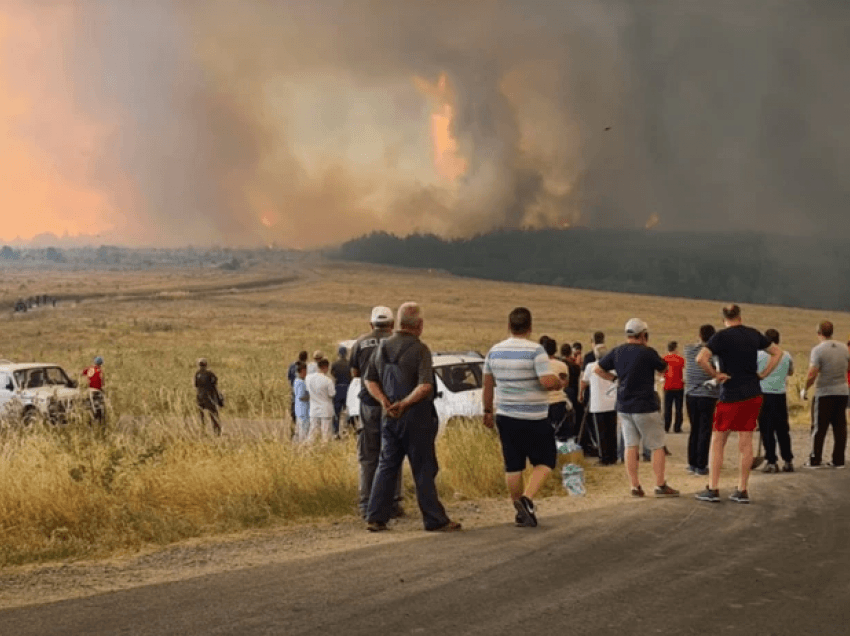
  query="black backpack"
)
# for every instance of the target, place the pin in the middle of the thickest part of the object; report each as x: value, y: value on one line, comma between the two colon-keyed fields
x: 393, y: 382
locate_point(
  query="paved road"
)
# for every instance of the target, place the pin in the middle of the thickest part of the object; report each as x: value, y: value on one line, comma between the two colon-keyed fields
x: 778, y: 566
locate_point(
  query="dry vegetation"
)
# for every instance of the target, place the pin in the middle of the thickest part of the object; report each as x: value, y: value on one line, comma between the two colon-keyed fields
x: 157, y: 477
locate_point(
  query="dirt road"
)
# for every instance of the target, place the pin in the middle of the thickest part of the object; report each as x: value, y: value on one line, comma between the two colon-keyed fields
x: 778, y: 566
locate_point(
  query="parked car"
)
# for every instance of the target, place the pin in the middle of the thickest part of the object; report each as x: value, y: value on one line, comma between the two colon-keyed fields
x: 33, y: 390
x: 458, y: 391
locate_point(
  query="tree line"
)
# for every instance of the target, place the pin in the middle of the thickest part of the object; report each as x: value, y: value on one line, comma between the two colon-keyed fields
x: 812, y: 272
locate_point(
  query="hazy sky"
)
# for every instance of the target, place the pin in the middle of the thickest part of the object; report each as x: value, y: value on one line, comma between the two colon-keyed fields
x: 306, y: 123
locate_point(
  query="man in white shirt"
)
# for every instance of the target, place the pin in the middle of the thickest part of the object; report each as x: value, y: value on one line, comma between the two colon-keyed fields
x: 321, y: 389
x: 603, y: 408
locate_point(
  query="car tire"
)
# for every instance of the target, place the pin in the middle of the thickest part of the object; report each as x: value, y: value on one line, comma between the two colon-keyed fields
x: 31, y: 416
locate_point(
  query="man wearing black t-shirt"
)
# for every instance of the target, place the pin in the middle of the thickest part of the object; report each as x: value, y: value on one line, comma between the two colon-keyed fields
x: 737, y: 348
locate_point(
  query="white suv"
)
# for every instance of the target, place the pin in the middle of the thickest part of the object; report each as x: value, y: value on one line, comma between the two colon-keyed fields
x: 458, y: 390
x: 31, y: 391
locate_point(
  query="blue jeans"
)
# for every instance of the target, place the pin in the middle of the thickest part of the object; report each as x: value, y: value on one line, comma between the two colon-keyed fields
x: 411, y: 436
x: 339, y: 403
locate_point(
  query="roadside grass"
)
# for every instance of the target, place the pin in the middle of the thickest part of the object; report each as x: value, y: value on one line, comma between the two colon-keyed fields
x: 69, y: 493
x: 156, y: 478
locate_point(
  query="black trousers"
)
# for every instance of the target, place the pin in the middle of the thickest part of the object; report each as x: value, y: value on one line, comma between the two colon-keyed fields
x: 701, y: 417
x: 212, y: 410
x: 673, y: 397
x: 829, y: 410
x: 412, y: 435
x: 606, y: 427
x: 774, y: 427
x: 368, y: 453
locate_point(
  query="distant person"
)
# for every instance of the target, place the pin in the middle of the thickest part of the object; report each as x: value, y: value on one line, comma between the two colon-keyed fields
x: 674, y: 388
x: 580, y: 401
x: 313, y: 367
x: 736, y: 348
x: 570, y: 429
x: 341, y: 374
x: 829, y: 365
x: 638, y: 408
x: 701, y: 393
x: 517, y: 379
x: 598, y: 338
x: 97, y: 402
x: 207, y: 395
x: 401, y: 379
x: 321, y: 388
x: 302, y: 402
x: 602, y: 407
x: 369, y: 434
x: 577, y: 354
x: 773, y: 418
x: 291, y: 374
x: 559, y: 405
x: 589, y: 441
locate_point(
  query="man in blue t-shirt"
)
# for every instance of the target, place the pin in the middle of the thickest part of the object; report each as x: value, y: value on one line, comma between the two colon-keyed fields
x: 638, y: 407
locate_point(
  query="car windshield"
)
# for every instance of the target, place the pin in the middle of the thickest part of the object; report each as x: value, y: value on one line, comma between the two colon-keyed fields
x: 464, y: 376
x: 42, y: 376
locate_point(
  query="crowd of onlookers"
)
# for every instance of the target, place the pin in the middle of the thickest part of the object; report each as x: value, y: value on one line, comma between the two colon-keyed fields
x: 607, y: 400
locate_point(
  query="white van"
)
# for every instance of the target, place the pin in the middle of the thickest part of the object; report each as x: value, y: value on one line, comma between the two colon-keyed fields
x: 458, y: 391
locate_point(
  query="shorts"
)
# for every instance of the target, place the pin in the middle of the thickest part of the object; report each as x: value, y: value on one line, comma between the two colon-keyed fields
x: 737, y: 416
x: 648, y: 427
x: 532, y: 440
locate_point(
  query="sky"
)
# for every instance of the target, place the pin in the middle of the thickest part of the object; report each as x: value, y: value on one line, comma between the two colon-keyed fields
x: 171, y: 123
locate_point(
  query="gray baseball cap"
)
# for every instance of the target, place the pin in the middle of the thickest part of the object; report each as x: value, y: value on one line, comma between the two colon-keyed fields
x: 381, y: 316
x: 635, y: 327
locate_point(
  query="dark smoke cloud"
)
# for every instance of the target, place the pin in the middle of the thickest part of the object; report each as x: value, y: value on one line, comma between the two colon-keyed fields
x: 712, y: 115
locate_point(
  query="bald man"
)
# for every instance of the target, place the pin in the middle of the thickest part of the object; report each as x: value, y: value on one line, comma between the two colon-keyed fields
x: 401, y: 379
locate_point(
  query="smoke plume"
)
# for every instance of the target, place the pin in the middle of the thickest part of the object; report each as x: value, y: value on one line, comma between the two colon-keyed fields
x: 307, y: 123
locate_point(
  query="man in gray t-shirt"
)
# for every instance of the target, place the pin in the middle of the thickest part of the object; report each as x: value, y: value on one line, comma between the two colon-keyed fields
x: 828, y: 368
x: 401, y: 378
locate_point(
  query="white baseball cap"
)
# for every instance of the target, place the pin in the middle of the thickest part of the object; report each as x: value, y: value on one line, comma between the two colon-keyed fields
x: 381, y: 316
x: 635, y: 327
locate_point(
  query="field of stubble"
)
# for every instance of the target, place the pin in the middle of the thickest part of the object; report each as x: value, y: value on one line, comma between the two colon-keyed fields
x: 157, y: 478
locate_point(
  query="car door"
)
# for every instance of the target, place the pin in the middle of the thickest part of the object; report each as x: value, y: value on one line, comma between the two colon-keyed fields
x: 442, y: 400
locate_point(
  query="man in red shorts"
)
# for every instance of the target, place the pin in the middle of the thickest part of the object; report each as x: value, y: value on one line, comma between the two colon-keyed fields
x: 737, y: 348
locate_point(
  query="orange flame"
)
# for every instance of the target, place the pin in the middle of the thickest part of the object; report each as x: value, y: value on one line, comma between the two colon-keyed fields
x: 652, y: 221
x: 448, y: 162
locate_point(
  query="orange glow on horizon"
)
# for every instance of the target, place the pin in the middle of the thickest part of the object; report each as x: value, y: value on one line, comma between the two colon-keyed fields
x: 42, y: 191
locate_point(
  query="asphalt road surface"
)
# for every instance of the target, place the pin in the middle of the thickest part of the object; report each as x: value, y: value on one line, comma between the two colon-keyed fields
x: 675, y: 566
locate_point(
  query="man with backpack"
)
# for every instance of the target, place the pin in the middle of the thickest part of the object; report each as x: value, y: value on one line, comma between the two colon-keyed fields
x: 208, y: 398
x: 401, y: 379
x: 369, y: 432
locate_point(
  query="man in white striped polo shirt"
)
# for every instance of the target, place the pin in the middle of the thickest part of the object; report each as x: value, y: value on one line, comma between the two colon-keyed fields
x: 518, y: 375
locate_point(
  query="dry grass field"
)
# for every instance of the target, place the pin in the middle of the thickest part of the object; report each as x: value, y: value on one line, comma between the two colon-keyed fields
x: 157, y: 478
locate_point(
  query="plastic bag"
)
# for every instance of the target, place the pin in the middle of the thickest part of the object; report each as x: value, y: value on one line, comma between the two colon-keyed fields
x: 572, y: 476
x: 567, y: 447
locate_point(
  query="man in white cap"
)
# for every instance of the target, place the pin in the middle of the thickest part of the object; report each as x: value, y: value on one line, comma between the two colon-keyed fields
x: 369, y: 433
x: 638, y: 407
